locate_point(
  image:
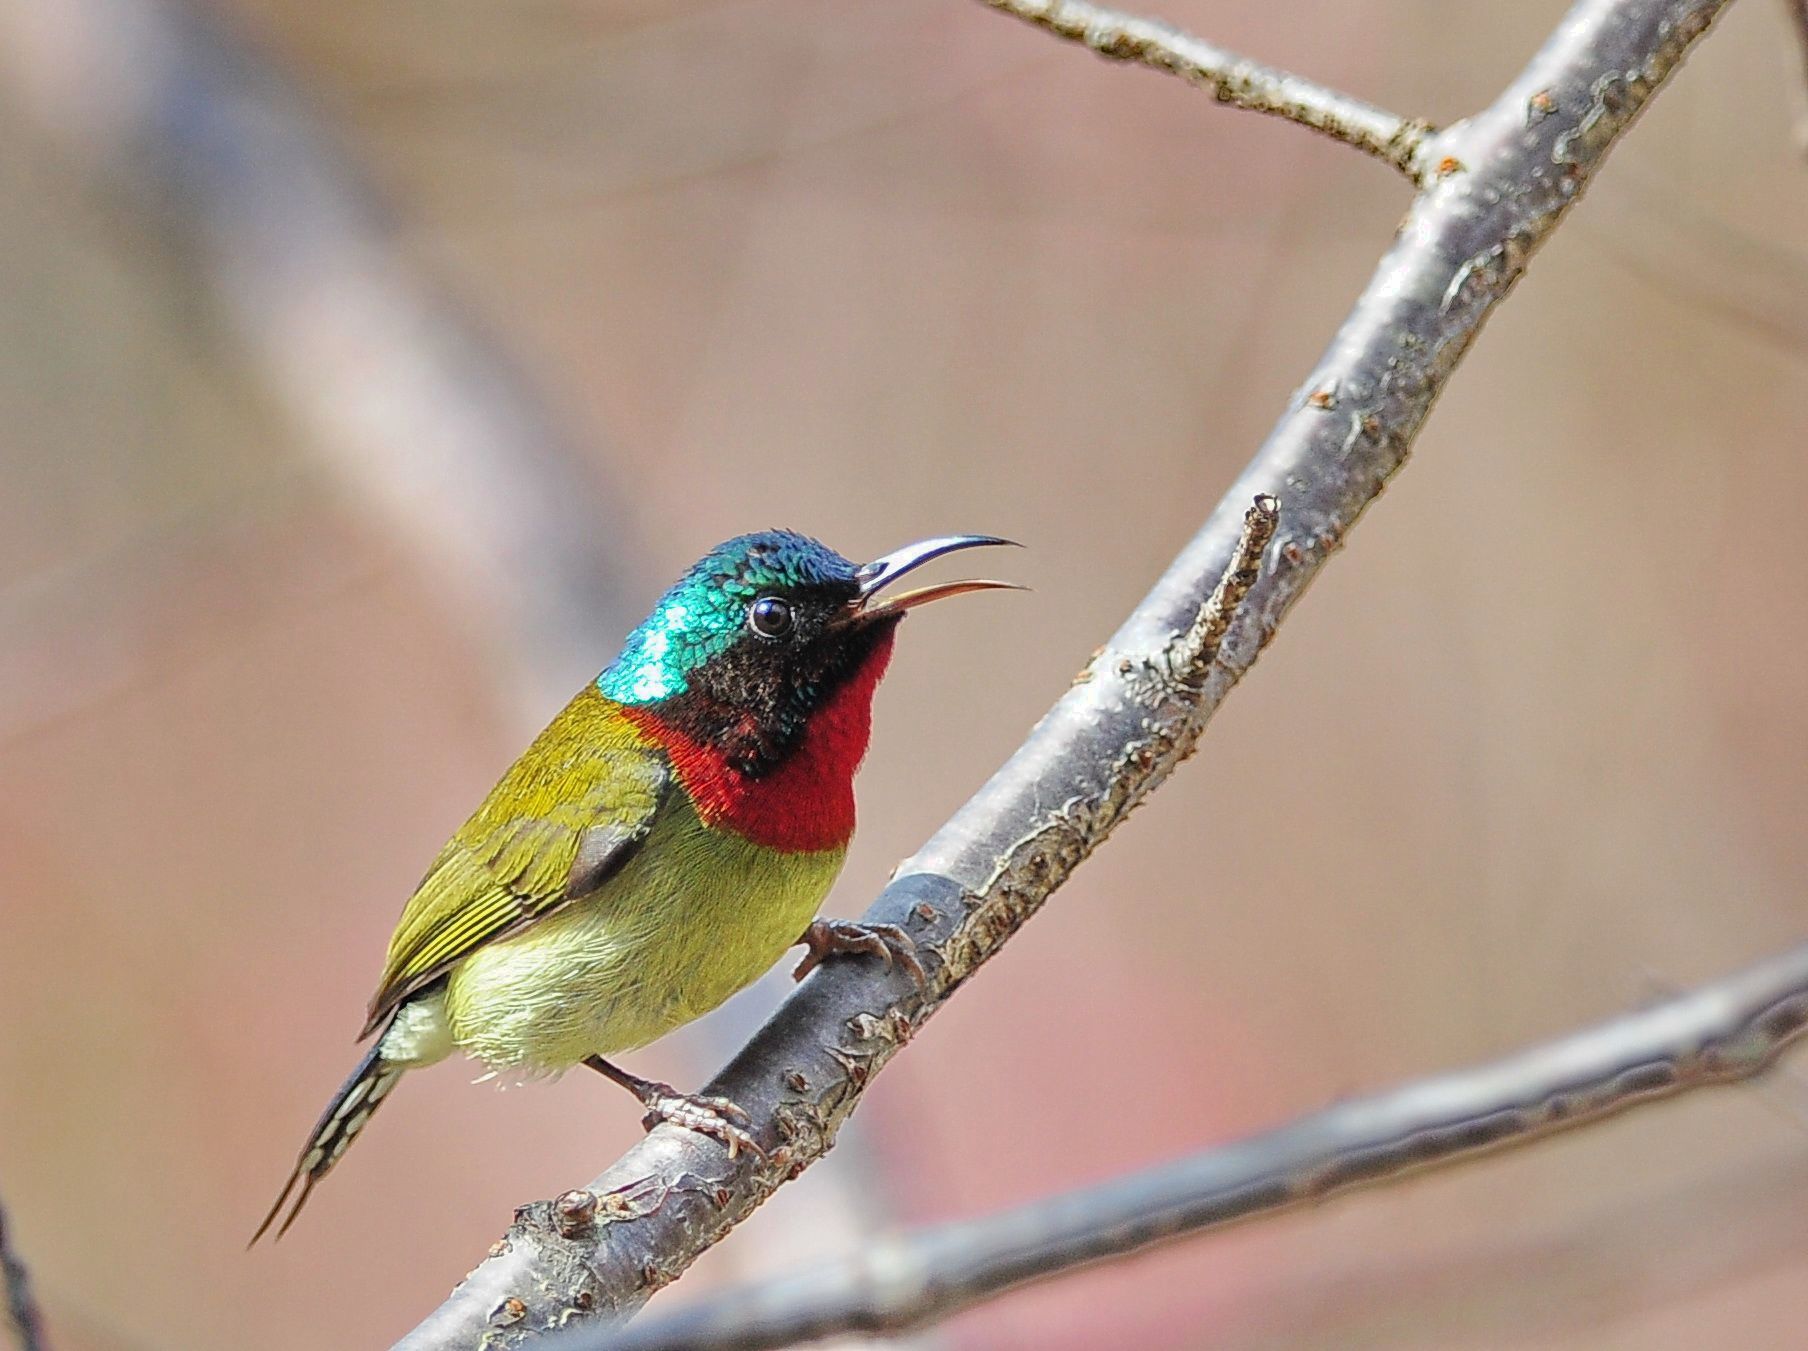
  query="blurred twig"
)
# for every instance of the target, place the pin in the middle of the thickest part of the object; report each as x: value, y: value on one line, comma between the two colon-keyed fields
x: 1670, y: 239
x: 1233, y: 79
x: 1798, y: 19
x: 1721, y: 1033
x: 21, y: 1307
x: 422, y: 415
x: 1507, y: 176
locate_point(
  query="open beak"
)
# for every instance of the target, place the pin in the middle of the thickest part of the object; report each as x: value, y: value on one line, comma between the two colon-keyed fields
x: 882, y: 572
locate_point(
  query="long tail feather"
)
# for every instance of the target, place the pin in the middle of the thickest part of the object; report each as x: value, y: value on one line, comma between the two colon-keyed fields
x: 344, y: 1117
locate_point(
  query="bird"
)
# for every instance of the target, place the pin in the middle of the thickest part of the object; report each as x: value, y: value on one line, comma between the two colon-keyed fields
x: 658, y: 847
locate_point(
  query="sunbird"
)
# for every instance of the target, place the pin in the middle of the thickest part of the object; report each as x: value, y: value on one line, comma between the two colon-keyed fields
x: 658, y: 847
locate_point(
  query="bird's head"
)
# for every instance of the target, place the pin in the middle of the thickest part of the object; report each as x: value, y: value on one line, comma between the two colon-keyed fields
x: 764, y: 631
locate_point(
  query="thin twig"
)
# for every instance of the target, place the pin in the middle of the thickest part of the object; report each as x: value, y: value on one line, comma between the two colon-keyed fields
x: 1721, y: 1033
x: 1233, y: 79
x: 1117, y: 733
x: 1196, y: 649
x: 21, y: 1307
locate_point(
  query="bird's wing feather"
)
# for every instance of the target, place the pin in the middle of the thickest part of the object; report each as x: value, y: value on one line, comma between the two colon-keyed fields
x: 563, y: 820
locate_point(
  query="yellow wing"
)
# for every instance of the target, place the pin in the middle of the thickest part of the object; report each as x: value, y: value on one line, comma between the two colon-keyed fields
x: 565, y: 817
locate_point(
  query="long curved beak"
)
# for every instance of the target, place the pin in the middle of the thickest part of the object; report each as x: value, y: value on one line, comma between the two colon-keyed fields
x: 882, y: 572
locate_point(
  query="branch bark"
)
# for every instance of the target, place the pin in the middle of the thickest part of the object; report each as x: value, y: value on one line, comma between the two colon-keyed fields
x: 1232, y: 79
x: 21, y: 1306
x: 1722, y: 1033
x: 1507, y: 177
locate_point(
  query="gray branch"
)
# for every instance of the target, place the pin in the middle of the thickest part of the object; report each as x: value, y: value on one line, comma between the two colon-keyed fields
x: 1516, y: 167
x: 1233, y: 79
x: 1721, y: 1033
x: 21, y: 1306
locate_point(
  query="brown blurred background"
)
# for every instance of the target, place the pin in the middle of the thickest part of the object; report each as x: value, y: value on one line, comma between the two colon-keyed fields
x: 1530, y: 753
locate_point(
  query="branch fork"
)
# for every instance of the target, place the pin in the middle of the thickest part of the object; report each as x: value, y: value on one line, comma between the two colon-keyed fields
x: 1397, y: 141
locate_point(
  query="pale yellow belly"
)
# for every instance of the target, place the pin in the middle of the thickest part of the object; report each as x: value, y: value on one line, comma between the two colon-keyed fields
x: 695, y: 915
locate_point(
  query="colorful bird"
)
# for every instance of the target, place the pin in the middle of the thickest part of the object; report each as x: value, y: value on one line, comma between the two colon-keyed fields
x: 658, y: 846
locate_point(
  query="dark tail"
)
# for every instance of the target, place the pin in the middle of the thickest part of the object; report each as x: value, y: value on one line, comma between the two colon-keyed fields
x: 345, y: 1115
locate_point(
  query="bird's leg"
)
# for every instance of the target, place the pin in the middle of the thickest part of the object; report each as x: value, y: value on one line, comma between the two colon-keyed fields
x: 841, y: 937
x: 717, y: 1118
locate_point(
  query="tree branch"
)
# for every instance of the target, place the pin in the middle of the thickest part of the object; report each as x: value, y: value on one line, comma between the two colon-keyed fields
x: 1125, y: 723
x: 1721, y: 1033
x: 1233, y: 79
x: 21, y: 1307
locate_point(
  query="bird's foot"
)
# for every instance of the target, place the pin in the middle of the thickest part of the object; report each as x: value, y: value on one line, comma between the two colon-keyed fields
x: 841, y: 937
x: 718, y: 1118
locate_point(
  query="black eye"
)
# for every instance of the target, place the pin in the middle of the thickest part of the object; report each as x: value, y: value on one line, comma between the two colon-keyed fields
x: 770, y: 617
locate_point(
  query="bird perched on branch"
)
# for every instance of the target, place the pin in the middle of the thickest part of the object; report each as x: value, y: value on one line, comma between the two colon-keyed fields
x: 658, y: 846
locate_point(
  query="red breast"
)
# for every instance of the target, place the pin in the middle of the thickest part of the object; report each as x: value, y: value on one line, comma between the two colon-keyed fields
x: 805, y: 804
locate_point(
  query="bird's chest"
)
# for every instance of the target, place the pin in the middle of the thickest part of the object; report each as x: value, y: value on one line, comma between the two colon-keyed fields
x: 697, y: 914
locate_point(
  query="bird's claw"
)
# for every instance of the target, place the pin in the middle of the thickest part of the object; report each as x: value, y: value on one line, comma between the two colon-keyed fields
x: 718, y: 1118
x: 840, y: 937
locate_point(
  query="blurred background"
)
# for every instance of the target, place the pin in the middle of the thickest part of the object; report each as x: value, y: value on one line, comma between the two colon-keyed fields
x: 365, y: 371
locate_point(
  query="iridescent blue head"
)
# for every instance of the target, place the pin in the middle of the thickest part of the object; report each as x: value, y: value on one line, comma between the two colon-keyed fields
x: 765, y: 627
x: 710, y: 610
